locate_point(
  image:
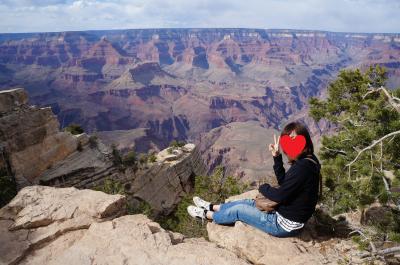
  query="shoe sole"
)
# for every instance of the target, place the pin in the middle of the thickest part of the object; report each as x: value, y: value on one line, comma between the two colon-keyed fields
x: 198, y: 205
x: 199, y: 218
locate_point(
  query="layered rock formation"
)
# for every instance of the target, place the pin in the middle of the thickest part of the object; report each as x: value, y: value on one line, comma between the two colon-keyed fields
x: 165, y: 183
x: 161, y: 184
x: 36, y: 152
x: 45, y: 225
x: 30, y: 138
x: 84, y: 168
x: 181, y: 83
x: 242, y: 148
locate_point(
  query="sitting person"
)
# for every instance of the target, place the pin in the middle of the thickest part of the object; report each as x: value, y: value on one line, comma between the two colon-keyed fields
x: 297, y: 194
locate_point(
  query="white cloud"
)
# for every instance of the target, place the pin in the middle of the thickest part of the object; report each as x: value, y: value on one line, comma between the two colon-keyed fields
x: 333, y: 15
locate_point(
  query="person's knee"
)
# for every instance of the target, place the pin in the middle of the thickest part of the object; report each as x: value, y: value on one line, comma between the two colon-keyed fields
x: 236, y: 208
x: 241, y: 210
x: 249, y: 202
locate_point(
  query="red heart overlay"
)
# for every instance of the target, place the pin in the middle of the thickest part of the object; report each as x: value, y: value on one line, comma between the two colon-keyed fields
x: 293, y: 146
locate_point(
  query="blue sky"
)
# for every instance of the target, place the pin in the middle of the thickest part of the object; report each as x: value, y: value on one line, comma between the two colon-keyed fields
x: 332, y: 15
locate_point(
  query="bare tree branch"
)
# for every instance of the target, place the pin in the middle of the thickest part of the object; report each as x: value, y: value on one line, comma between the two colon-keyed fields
x: 394, y: 101
x: 385, y: 251
x: 389, y: 250
x: 373, y: 248
x: 342, y: 152
x: 387, y: 188
x: 372, y: 145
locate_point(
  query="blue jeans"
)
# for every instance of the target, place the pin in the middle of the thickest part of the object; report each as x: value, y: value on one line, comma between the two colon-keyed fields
x: 246, y: 211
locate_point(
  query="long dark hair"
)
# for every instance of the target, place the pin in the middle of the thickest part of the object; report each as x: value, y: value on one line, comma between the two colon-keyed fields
x: 300, y: 129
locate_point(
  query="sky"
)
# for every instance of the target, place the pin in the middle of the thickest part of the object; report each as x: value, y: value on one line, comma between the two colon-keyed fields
x: 71, y: 15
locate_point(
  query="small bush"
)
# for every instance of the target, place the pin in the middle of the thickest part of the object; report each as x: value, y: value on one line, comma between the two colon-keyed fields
x: 143, y: 208
x: 79, y: 147
x: 170, y: 150
x: 111, y: 186
x: 177, y: 144
x: 395, y: 237
x: 152, y: 158
x: 116, y: 156
x: 143, y: 158
x: 74, y: 129
x: 362, y: 243
x: 93, y: 141
x: 8, y: 188
x: 129, y: 159
x: 215, y: 188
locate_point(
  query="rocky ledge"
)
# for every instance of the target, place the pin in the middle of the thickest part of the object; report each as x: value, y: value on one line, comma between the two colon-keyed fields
x: 324, y: 240
x: 47, y: 225
x: 30, y: 140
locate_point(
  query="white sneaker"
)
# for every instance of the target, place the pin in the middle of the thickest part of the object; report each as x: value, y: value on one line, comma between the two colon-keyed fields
x: 196, y: 212
x: 201, y: 203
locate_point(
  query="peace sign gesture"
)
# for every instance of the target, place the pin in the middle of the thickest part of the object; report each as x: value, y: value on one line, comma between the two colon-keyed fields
x: 274, y: 148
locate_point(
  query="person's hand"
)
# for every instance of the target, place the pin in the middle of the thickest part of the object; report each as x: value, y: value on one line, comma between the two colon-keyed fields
x: 274, y: 148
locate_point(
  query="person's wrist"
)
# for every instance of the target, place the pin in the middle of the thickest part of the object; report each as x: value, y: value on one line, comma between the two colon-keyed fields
x: 276, y: 154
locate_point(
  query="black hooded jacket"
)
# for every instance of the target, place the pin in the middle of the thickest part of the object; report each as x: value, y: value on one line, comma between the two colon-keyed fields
x: 298, y: 189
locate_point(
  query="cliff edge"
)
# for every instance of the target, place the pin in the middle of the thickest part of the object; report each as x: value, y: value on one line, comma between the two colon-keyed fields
x: 46, y: 225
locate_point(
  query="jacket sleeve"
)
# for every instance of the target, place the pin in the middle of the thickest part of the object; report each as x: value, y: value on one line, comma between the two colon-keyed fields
x: 293, y: 180
x: 279, y: 169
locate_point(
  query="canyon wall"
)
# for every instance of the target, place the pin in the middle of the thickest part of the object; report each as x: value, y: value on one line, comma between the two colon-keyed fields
x: 182, y: 83
x: 30, y: 138
x: 35, y: 151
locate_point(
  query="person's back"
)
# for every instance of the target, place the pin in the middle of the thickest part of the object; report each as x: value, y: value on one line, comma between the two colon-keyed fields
x: 300, y: 206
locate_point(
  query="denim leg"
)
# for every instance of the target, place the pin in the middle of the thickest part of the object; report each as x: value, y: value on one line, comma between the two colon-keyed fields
x: 247, y: 213
x: 224, y: 206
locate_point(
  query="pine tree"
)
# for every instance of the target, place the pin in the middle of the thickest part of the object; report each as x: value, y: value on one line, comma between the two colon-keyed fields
x: 361, y: 160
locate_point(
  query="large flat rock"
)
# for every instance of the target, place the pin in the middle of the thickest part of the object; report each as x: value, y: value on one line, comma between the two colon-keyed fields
x: 38, y: 215
x: 44, y: 225
x: 261, y: 248
x: 132, y: 239
x: 310, y: 247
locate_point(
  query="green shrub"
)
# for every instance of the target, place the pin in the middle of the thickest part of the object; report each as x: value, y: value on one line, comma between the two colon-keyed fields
x: 116, y: 156
x: 93, y: 140
x: 74, y: 129
x: 169, y: 150
x: 8, y: 188
x: 362, y: 243
x: 111, y: 186
x: 79, y: 147
x: 395, y: 237
x: 143, y: 158
x: 129, y: 159
x: 152, y: 158
x: 177, y: 144
x: 214, y: 188
x: 143, y: 208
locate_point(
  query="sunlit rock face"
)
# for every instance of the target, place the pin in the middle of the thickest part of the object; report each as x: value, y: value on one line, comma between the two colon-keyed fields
x: 45, y: 225
x: 30, y: 138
